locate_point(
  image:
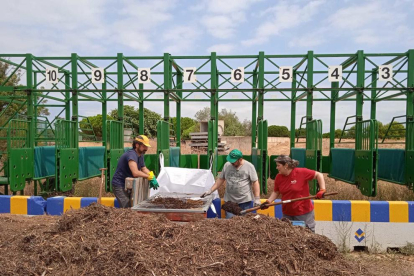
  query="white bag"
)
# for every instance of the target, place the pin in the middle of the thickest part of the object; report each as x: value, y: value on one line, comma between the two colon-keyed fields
x: 183, y: 180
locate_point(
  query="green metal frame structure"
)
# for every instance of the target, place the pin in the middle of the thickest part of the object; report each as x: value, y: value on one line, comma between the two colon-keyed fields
x: 263, y: 82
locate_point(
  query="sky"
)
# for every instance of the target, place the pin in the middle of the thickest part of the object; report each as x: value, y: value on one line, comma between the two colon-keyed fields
x: 231, y: 27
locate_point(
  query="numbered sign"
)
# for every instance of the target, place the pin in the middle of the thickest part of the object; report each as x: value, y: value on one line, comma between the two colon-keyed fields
x: 285, y: 73
x: 385, y: 73
x: 52, y: 75
x: 98, y: 75
x: 237, y: 75
x: 335, y: 73
x: 189, y: 75
x: 144, y: 75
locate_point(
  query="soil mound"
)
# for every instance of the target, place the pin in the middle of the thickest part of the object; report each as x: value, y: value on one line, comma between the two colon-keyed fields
x: 99, y: 240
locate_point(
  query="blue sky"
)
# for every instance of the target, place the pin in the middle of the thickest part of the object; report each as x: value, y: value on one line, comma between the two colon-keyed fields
x: 238, y: 27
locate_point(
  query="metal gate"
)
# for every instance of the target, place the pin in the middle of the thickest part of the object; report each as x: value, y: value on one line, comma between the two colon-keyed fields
x: 313, y: 150
x: 366, y: 157
x: 67, y: 154
x: 114, y: 150
x: 20, y: 154
x: 409, y: 155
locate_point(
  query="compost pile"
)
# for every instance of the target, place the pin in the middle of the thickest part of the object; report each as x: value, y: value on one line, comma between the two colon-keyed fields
x: 176, y: 203
x: 100, y: 240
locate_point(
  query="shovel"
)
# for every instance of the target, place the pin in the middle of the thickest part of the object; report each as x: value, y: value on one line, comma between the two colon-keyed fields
x: 283, y: 202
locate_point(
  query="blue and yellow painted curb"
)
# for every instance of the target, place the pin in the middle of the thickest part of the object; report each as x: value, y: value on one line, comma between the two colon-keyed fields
x: 325, y: 210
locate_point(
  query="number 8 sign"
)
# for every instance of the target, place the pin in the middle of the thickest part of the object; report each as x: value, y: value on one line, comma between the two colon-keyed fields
x: 144, y: 75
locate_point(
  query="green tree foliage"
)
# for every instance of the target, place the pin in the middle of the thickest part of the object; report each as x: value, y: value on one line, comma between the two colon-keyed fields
x: 96, y: 122
x: 337, y: 134
x: 203, y: 115
x: 278, y: 131
x: 131, y: 116
x: 232, y: 124
x: 17, y: 105
x: 186, y: 125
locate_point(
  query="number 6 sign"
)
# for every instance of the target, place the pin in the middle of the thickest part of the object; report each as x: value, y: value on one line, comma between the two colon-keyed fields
x: 237, y: 75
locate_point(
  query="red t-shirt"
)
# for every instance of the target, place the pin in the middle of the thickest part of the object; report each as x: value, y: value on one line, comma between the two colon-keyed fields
x: 293, y: 186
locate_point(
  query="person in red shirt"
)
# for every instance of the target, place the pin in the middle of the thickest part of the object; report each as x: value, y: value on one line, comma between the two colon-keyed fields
x: 292, y: 182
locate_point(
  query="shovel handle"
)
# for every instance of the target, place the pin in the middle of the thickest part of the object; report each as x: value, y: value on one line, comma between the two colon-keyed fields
x: 285, y: 201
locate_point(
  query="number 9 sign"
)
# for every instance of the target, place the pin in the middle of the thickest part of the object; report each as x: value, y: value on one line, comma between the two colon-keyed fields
x: 98, y: 75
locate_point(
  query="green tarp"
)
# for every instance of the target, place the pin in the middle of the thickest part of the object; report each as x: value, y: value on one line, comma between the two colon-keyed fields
x: 391, y: 165
x: 175, y: 157
x: 91, y: 159
x: 343, y: 164
x: 44, y: 161
x: 300, y: 155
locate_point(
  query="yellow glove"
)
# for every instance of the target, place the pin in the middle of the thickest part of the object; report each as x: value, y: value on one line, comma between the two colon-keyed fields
x: 150, y: 175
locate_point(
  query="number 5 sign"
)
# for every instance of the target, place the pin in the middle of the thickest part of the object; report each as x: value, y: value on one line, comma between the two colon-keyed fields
x: 285, y: 73
x: 237, y: 75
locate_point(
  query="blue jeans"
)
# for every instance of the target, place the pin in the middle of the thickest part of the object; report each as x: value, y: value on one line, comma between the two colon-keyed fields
x: 243, y: 206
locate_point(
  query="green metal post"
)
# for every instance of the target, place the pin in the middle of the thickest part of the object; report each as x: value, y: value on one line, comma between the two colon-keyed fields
x: 67, y: 96
x: 120, y: 72
x: 293, y: 113
x: 178, y: 107
x: 167, y: 86
x: 75, y: 107
x: 309, y: 99
x: 104, y: 111
x: 35, y: 115
x: 141, y: 110
x: 410, y: 84
x: 254, y: 110
x: 334, y: 96
x: 359, y: 96
x: 374, y: 94
x: 261, y: 86
x: 30, y: 97
x: 214, y: 98
x: 360, y: 84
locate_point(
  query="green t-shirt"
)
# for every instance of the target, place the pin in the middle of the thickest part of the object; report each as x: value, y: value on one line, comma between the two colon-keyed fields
x: 239, y: 182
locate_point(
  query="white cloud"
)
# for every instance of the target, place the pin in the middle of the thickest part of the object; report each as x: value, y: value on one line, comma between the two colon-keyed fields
x: 282, y: 17
x: 221, y: 48
x: 181, y: 39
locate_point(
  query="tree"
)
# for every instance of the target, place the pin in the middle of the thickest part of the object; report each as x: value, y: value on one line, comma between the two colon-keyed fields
x: 186, y: 123
x: 278, y: 131
x: 17, y: 106
x: 232, y: 125
x: 96, y: 122
x: 337, y: 134
x: 203, y: 115
x: 131, y: 116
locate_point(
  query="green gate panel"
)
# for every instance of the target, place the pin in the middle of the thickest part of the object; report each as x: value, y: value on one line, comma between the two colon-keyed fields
x: 204, y: 162
x: 189, y: 161
x: 364, y: 162
x: 91, y: 159
x: 68, y: 168
x: 409, y: 168
x: 175, y: 157
x: 391, y: 165
x: 221, y: 160
x: 300, y: 155
x: 343, y: 165
x: 44, y: 162
x: 114, y: 155
x: 21, y: 163
x: 272, y: 166
x: 312, y: 164
x: 151, y: 162
x: 326, y: 164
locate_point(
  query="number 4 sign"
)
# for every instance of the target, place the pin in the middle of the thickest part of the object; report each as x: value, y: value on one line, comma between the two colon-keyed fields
x: 335, y: 73
x: 237, y: 75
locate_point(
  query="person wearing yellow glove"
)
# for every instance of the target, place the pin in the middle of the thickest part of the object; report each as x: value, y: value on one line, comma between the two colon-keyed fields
x: 131, y: 164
